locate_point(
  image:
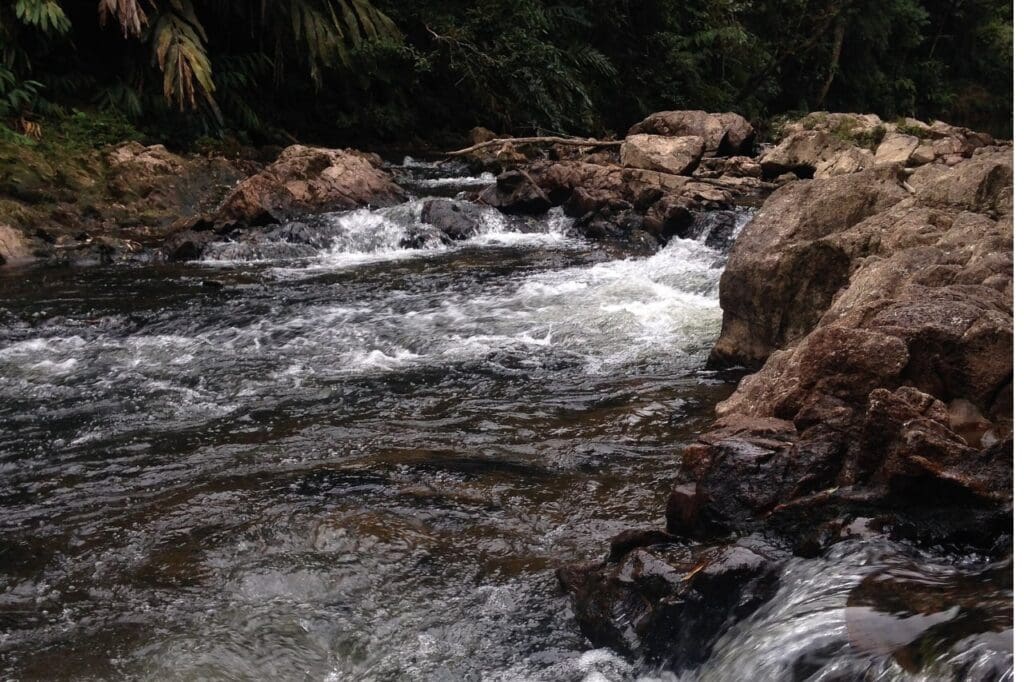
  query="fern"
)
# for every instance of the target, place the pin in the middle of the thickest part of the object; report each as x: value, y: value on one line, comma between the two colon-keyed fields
x: 45, y: 15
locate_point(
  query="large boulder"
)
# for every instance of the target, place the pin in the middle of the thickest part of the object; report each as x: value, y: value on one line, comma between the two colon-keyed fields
x: 724, y: 134
x: 308, y: 180
x: 814, y: 153
x: 677, y: 155
x: 889, y: 345
x: 784, y: 270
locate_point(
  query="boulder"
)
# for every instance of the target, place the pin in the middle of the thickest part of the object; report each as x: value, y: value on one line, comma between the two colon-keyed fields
x: 847, y: 124
x: 457, y: 220
x: 677, y: 155
x: 516, y: 192
x: 783, y: 270
x: 724, y: 134
x: 896, y: 148
x: 309, y: 180
x: 814, y: 153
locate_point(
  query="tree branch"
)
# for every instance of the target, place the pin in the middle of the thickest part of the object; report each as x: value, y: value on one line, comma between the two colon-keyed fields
x: 551, y: 139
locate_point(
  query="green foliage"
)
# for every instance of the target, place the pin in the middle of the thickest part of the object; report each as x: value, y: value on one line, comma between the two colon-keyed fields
x: 349, y: 71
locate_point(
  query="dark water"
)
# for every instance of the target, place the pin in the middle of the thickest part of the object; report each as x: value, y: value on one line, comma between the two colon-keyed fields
x: 353, y: 461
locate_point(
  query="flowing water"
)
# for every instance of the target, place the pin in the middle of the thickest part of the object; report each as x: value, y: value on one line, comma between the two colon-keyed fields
x: 336, y: 458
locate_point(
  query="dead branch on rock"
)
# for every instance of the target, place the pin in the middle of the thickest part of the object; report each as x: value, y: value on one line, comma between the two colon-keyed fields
x: 551, y: 139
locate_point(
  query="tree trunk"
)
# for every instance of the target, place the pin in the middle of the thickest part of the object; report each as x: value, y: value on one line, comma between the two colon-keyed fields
x: 833, y: 66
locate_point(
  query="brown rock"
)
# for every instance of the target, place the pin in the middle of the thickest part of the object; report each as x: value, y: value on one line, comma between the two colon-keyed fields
x: 896, y: 148
x: 15, y: 248
x: 307, y: 180
x: 677, y: 155
x: 783, y: 271
x: 724, y: 134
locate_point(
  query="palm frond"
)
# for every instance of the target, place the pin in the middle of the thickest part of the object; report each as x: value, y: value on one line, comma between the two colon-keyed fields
x: 128, y: 13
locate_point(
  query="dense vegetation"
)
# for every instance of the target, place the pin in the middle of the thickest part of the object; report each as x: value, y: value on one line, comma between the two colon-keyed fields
x: 400, y: 70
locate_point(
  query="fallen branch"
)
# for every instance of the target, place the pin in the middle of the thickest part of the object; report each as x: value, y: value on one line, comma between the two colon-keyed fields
x: 552, y: 139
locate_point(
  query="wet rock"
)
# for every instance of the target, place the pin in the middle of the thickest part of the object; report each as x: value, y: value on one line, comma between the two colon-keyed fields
x: 913, y: 612
x: 307, y: 180
x: 724, y: 134
x: 457, y: 220
x: 186, y: 245
x: 677, y: 155
x: 516, y: 192
x: 670, y: 602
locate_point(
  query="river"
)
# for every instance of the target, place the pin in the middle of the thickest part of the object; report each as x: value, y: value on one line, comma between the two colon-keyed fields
x: 342, y: 459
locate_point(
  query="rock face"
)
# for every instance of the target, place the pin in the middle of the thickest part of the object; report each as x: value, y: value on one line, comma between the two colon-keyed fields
x: 306, y: 180
x: 878, y: 306
x: 676, y: 155
x: 724, y: 134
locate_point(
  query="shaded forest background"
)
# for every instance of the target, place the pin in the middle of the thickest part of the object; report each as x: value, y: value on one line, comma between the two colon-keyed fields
x: 408, y: 72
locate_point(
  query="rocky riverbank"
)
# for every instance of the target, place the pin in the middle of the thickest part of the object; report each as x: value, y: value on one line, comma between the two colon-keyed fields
x: 877, y: 304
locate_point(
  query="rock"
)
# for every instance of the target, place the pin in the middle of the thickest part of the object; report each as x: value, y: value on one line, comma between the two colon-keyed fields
x: 457, y: 220
x: 848, y: 124
x: 896, y: 148
x: 783, y: 271
x: 186, y: 245
x: 922, y: 154
x: 724, y: 134
x: 846, y: 161
x: 308, y: 180
x: 891, y: 374
x: 516, y: 192
x: 15, y: 248
x: 677, y: 155
x: 813, y: 153
x: 479, y: 134
x: 670, y: 602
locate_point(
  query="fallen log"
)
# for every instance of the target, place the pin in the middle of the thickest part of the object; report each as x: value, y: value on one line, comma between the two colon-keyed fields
x: 551, y: 139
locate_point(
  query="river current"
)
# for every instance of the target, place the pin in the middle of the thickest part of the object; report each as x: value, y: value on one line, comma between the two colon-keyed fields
x: 343, y: 459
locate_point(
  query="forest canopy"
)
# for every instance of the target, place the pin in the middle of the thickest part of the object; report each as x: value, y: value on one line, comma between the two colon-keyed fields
x: 396, y: 71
